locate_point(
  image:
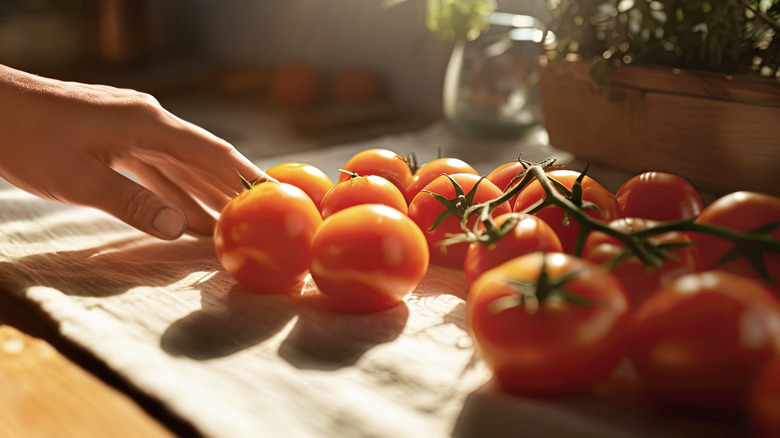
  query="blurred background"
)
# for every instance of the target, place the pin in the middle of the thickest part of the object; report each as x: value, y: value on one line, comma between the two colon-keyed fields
x: 216, y: 61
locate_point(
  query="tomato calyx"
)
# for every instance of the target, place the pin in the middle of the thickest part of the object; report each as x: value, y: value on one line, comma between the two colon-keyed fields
x: 414, y: 163
x: 248, y: 184
x: 411, y: 161
x: 457, y: 206
x: 575, y: 195
x: 545, y: 289
x: 348, y: 172
x: 490, y: 233
x: 521, y: 180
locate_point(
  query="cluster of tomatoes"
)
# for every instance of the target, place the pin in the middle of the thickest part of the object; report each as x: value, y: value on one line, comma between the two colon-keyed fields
x: 562, y: 288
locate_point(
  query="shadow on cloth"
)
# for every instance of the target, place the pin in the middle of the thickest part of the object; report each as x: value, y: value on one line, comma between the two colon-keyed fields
x: 113, y: 268
x: 489, y: 412
x: 229, y: 321
x: 327, y: 340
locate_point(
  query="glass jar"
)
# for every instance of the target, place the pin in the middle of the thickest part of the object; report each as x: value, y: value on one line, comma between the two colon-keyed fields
x: 491, y: 84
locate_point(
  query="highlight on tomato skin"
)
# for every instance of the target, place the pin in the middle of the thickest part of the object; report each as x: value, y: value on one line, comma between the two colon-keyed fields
x: 380, y: 162
x: 367, y: 258
x: 263, y: 237
x: 542, y: 342
x: 659, y: 196
x: 306, y: 177
x: 434, y: 169
x: 358, y: 190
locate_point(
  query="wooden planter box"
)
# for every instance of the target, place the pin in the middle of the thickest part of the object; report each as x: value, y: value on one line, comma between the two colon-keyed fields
x: 720, y: 133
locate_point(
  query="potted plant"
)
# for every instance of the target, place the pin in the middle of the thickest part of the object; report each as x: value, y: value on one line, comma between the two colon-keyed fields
x: 690, y: 87
x: 685, y: 86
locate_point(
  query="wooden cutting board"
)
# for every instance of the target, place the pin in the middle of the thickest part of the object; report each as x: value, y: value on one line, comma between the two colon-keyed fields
x: 43, y: 394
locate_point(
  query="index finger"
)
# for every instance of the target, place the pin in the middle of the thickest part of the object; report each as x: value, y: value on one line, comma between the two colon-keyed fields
x: 208, y: 155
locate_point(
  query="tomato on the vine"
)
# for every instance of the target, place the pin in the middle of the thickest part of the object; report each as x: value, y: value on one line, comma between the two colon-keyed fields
x: 263, y: 237
x: 548, y: 323
x: 568, y: 231
x: 659, y: 196
x: 677, y: 252
x: 505, y: 175
x: 425, y: 209
x: 432, y: 170
x: 380, y: 162
x: 742, y: 211
x: 358, y: 190
x: 306, y: 177
x: 367, y: 258
x: 528, y: 234
x: 699, y: 342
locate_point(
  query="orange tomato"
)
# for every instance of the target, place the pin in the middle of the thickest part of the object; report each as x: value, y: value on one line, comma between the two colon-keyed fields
x: 367, y: 258
x: 263, y: 237
x: 306, y: 177
x: 434, y: 169
x: 369, y: 189
x: 380, y: 162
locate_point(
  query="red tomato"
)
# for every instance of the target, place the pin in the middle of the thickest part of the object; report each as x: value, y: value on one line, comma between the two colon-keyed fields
x: 659, y: 196
x: 369, y: 189
x: 380, y: 162
x: 765, y: 401
x: 263, y: 237
x: 699, y: 342
x: 742, y: 211
x: 551, y: 341
x: 306, y: 177
x: 529, y: 234
x: 425, y: 209
x: 639, y: 279
x: 503, y: 176
x: 432, y: 170
x: 592, y: 191
x: 367, y: 258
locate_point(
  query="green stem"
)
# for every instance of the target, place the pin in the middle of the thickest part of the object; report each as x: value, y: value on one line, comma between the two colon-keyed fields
x: 751, y: 244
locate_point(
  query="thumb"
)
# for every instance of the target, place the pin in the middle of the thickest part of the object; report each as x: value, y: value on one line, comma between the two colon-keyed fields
x: 132, y: 203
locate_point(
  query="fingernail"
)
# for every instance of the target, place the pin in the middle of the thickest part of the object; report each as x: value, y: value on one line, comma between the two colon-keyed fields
x: 170, y: 223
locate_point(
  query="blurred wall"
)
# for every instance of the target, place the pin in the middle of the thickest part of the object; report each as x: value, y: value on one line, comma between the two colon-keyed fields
x: 47, y: 35
x: 332, y: 34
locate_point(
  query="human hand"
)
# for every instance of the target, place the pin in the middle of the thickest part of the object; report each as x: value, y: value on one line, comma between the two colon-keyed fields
x: 67, y: 141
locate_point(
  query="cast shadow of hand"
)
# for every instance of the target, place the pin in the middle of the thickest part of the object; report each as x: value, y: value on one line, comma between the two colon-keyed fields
x: 112, y: 268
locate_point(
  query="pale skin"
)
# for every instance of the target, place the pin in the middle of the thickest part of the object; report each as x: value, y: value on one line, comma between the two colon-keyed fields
x: 67, y: 141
